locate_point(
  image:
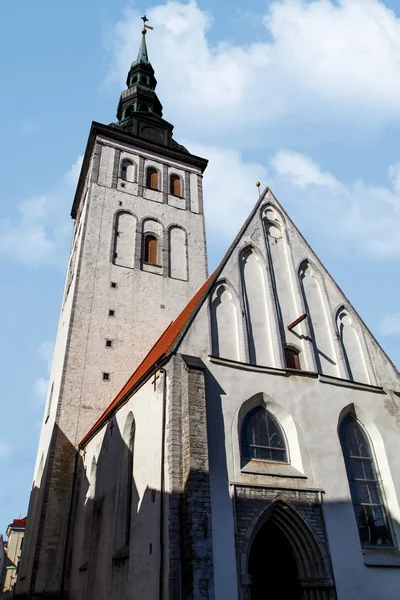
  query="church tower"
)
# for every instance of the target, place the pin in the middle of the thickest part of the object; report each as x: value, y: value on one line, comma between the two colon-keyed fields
x: 138, y: 255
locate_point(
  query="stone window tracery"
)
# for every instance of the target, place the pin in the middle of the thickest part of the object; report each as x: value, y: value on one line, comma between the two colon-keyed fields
x: 365, y: 487
x: 261, y: 437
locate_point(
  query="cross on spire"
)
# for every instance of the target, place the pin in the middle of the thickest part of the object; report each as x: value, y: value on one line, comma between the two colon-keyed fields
x: 145, y: 27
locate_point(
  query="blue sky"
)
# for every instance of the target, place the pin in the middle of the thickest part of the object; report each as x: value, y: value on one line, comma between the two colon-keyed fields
x: 303, y: 96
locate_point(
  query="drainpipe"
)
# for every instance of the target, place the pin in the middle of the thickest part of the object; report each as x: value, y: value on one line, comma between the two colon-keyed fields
x: 162, y: 483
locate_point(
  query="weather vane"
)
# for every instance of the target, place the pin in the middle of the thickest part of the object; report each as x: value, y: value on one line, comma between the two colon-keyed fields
x: 145, y: 27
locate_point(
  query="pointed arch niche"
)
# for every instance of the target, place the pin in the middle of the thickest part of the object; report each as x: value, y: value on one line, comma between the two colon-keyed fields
x: 125, y: 485
x: 282, y: 554
x: 88, y: 514
x: 321, y: 333
x: 281, y: 276
x: 351, y: 346
x: 224, y: 324
x: 255, y: 303
x: 178, y: 264
x: 124, y: 240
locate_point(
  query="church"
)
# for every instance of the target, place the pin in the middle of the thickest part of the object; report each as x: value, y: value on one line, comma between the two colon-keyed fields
x: 223, y: 437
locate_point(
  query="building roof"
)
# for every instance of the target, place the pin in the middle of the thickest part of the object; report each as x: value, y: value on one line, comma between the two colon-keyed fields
x: 171, y: 337
x: 18, y: 523
x: 157, y: 355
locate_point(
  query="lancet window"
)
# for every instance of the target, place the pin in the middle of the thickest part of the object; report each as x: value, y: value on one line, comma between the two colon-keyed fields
x: 365, y: 485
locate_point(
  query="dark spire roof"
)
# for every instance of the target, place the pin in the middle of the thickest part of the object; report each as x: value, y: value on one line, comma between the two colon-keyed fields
x: 140, y: 111
x: 142, y: 56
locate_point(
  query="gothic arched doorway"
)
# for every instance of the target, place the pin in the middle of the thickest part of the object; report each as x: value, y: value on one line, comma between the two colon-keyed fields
x: 281, y: 557
x: 272, y: 565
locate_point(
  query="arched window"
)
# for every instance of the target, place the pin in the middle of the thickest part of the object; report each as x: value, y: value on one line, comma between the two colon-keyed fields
x: 152, y: 178
x: 262, y: 437
x: 127, y: 170
x: 292, y: 358
x: 150, y: 249
x: 175, y: 185
x: 128, y: 111
x: 364, y: 484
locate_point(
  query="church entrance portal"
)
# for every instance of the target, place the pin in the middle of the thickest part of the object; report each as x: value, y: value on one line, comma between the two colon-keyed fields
x: 272, y: 566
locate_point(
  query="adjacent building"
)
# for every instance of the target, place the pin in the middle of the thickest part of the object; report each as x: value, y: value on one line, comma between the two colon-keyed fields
x: 229, y: 437
x: 15, y: 535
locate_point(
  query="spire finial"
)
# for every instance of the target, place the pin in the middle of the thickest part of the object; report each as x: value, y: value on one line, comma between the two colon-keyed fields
x: 145, y: 27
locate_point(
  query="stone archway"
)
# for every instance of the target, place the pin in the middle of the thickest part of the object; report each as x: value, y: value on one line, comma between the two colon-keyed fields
x: 279, y: 543
x: 272, y: 565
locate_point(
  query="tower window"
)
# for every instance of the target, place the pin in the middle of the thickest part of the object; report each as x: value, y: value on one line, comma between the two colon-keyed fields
x: 128, y: 111
x: 127, y: 170
x: 108, y: 344
x: 106, y: 376
x: 150, y: 249
x: 262, y: 437
x: 111, y: 313
x: 365, y: 487
x: 152, y: 178
x: 175, y: 185
x: 292, y: 359
x: 113, y: 284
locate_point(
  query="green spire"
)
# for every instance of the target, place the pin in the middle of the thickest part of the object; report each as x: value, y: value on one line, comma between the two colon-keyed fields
x: 142, y: 57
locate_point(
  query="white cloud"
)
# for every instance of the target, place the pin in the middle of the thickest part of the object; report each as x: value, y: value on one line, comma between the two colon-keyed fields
x: 394, y: 176
x: 322, y: 62
x: 229, y: 188
x: 5, y: 449
x: 390, y: 324
x: 360, y: 217
x: 39, y: 232
x: 302, y: 170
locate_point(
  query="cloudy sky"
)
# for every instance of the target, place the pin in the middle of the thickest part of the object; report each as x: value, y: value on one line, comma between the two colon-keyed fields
x: 301, y: 95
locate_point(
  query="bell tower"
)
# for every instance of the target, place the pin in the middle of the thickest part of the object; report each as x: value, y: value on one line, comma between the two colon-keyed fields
x: 138, y: 255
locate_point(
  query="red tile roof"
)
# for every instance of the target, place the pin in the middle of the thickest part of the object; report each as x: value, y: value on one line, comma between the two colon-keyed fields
x: 18, y: 523
x: 156, y: 354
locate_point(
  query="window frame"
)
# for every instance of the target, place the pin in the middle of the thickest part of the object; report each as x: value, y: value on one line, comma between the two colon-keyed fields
x: 245, y: 445
x: 374, y: 484
x: 123, y: 172
x: 146, y: 251
x: 150, y: 170
x: 174, y: 177
x: 293, y: 353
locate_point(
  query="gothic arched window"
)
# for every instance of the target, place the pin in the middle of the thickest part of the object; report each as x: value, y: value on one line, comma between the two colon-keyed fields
x: 150, y: 249
x: 152, y: 178
x: 365, y: 487
x: 175, y: 185
x: 262, y: 437
x: 292, y: 358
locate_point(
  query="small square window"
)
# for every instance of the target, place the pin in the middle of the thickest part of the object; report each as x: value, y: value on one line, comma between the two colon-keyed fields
x: 120, y: 203
x: 111, y: 313
x: 109, y: 343
x: 113, y: 284
x: 106, y: 376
